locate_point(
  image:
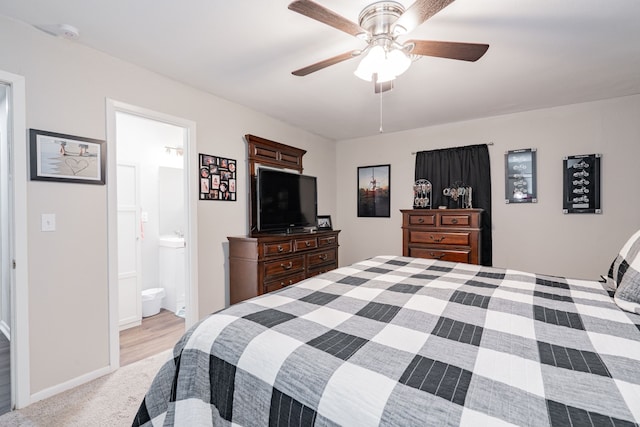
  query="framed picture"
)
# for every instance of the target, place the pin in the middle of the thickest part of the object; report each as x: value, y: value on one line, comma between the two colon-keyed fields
x: 374, y: 191
x: 66, y: 158
x: 520, y: 176
x: 324, y: 222
x: 581, y: 179
x: 217, y: 178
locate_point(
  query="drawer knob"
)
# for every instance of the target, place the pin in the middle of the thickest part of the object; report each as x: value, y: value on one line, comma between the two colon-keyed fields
x: 437, y: 239
x: 420, y: 220
x: 287, y: 266
x: 454, y: 221
x: 280, y: 248
x: 323, y: 257
x: 436, y: 256
x: 307, y: 243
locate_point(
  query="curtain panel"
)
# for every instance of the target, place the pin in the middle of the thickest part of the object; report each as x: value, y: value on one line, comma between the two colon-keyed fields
x: 466, y: 165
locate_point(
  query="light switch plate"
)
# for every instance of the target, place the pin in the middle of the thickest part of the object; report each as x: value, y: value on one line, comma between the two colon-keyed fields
x: 144, y: 216
x: 48, y: 222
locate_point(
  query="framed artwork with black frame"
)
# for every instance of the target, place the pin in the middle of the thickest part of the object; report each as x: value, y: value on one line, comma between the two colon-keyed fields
x: 66, y: 158
x: 520, y: 176
x: 217, y: 178
x: 581, y: 179
x: 374, y: 191
x: 324, y: 222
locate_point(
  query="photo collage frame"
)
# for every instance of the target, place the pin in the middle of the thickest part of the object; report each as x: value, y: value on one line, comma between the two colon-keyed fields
x: 217, y: 178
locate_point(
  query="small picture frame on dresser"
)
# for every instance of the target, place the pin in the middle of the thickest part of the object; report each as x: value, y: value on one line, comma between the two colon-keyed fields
x: 324, y: 222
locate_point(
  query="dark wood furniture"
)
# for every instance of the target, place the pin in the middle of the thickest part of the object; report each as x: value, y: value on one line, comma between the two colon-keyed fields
x: 445, y: 234
x: 260, y: 262
x: 264, y: 263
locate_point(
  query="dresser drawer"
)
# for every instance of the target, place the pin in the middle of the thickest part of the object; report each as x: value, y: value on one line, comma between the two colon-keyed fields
x: 283, y: 282
x: 327, y: 241
x: 453, y: 255
x: 279, y: 248
x: 422, y: 219
x: 305, y: 244
x: 455, y: 220
x: 440, y: 238
x: 284, y: 266
x: 321, y: 257
x: 322, y: 269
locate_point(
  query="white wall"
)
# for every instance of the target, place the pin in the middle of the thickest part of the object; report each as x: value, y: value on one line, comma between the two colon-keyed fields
x: 67, y: 85
x: 535, y: 237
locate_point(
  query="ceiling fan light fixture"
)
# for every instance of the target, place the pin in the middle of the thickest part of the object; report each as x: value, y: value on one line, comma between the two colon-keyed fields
x: 387, y: 65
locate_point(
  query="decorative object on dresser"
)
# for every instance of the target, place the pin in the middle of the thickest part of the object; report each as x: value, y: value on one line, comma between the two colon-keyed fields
x: 217, y: 178
x: 581, y: 190
x: 267, y: 261
x: 443, y: 234
x: 520, y: 176
x: 422, y: 194
x: 460, y: 193
x: 324, y: 222
x: 374, y: 191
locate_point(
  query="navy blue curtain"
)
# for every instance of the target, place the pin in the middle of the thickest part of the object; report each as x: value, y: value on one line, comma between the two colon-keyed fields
x: 466, y: 165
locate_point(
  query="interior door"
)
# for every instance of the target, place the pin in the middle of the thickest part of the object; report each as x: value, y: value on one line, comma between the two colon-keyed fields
x: 129, y: 247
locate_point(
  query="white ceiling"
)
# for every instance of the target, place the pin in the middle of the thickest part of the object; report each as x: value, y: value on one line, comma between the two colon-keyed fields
x: 542, y: 53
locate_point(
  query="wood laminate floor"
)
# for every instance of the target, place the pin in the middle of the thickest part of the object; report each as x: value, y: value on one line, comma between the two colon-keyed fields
x: 155, y: 334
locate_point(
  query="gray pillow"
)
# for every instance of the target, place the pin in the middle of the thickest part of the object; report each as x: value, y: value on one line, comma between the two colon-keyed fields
x: 625, y: 270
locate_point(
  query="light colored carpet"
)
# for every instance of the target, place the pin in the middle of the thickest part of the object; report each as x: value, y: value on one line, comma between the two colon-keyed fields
x: 111, y: 400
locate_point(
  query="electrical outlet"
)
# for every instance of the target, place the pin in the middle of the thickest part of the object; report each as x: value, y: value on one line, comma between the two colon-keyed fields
x: 48, y: 222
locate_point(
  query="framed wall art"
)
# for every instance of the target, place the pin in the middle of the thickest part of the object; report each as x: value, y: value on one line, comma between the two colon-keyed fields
x: 217, y: 178
x: 581, y: 189
x: 520, y: 176
x: 374, y: 191
x: 66, y: 158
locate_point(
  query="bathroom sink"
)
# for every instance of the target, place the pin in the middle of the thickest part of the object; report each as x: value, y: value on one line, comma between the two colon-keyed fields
x: 171, y: 241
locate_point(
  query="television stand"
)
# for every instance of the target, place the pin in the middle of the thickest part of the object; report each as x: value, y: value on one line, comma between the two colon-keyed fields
x: 262, y: 263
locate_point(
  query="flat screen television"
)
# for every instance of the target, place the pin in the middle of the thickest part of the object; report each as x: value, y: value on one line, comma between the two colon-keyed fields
x: 287, y: 201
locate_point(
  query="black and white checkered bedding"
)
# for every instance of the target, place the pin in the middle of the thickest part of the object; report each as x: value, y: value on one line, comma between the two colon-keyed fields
x: 404, y: 341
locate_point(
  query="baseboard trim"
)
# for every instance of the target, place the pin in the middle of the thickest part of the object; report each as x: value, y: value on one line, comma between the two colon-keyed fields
x: 59, y: 388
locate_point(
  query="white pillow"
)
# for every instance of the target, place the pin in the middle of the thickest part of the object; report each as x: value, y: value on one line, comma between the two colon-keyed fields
x: 625, y: 271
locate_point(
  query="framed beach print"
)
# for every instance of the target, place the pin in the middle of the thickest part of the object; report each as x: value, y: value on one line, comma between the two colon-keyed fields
x: 66, y: 158
x: 374, y: 191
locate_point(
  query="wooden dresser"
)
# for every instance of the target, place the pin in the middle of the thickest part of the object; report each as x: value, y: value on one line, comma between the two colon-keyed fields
x: 268, y: 262
x: 445, y: 234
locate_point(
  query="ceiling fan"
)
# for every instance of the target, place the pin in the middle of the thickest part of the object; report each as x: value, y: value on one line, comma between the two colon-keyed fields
x: 380, y: 24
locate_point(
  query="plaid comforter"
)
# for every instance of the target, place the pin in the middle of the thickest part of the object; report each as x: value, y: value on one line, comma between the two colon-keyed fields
x: 403, y: 341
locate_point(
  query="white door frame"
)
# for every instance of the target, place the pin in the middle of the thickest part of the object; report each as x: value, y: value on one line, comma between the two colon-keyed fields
x: 191, y: 249
x: 20, y: 391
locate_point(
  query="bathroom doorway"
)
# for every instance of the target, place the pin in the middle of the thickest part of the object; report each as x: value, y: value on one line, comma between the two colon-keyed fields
x: 153, y: 238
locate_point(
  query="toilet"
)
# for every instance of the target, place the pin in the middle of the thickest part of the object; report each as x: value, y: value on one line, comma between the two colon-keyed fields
x: 151, y: 301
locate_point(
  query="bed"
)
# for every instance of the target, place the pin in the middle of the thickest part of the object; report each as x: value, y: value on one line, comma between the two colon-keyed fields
x: 405, y: 341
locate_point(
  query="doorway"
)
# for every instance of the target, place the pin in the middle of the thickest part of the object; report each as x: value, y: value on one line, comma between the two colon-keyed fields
x: 14, y: 369
x: 151, y: 225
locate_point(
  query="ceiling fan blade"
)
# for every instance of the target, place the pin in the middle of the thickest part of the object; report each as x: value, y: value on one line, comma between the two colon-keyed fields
x: 452, y: 50
x: 325, y: 63
x: 320, y: 13
x: 419, y: 12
